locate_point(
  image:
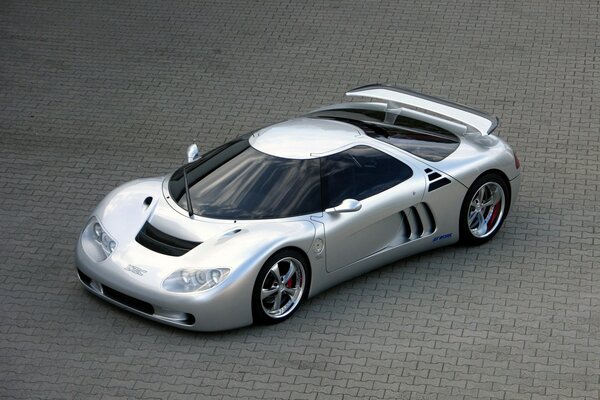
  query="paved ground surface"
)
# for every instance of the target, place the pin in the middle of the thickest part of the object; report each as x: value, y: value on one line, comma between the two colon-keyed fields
x: 93, y: 94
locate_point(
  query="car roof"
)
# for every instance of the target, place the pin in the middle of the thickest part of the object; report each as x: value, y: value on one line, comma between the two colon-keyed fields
x: 305, y: 138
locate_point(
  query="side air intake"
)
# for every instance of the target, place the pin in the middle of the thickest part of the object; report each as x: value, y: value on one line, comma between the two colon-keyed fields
x: 416, y: 222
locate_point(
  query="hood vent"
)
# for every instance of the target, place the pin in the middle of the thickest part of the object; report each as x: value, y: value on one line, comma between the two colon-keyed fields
x: 160, y: 242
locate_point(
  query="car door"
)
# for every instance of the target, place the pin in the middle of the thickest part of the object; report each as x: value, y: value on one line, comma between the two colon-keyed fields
x: 384, y: 185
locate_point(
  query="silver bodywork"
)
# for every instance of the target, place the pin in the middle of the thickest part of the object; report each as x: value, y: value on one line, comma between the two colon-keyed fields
x: 396, y: 223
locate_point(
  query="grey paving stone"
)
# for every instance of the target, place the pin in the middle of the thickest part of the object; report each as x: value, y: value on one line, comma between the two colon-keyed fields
x: 94, y: 94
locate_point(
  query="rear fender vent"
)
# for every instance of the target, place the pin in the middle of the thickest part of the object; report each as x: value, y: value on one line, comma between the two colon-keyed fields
x: 160, y: 242
x: 436, y: 180
x: 416, y: 222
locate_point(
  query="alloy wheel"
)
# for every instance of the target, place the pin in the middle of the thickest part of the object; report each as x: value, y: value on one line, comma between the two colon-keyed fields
x: 486, y: 210
x: 282, y: 288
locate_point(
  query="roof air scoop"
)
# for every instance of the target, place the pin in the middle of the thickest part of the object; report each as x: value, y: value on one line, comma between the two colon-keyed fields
x: 404, y: 101
x: 450, y: 126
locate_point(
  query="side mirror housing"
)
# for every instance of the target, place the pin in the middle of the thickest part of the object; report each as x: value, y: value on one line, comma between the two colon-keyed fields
x: 348, y: 205
x: 193, y: 153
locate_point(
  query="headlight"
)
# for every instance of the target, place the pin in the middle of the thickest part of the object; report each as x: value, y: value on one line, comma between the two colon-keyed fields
x: 194, y: 280
x: 97, y: 230
x: 101, y: 237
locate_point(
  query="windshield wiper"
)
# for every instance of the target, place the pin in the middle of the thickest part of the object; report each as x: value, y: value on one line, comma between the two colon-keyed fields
x: 187, y: 192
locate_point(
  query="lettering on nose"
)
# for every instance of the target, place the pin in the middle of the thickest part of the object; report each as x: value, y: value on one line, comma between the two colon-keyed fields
x: 136, y: 270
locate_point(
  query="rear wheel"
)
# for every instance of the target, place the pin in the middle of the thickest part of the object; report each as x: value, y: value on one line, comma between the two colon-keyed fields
x: 484, y: 209
x: 280, y: 287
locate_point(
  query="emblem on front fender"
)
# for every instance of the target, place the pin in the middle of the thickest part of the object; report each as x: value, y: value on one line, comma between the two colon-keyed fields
x: 136, y: 270
x: 318, y: 246
x: 442, y: 237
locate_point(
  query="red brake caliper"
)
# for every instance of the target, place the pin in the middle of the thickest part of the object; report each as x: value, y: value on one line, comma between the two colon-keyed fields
x: 288, y: 284
x: 495, y: 213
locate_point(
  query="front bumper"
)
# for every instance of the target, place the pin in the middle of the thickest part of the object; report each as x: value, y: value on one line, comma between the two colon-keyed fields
x: 224, y: 307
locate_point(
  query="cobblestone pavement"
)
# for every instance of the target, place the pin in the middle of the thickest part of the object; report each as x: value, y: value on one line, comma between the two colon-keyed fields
x: 95, y: 93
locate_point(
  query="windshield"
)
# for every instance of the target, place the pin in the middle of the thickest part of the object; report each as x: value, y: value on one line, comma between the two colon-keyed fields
x: 236, y: 181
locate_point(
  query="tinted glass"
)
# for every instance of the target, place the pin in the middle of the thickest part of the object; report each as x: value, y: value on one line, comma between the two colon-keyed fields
x: 205, y: 165
x: 360, y: 172
x: 243, y: 183
x: 358, y: 114
x: 407, y: 122
x: 422, y: 139
x: 427, y: 146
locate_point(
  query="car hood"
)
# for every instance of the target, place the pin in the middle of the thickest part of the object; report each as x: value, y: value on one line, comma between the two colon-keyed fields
x: 223, y: 243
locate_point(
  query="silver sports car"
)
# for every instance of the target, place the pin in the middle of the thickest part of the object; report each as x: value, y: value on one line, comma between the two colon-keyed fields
x: 248, y: 231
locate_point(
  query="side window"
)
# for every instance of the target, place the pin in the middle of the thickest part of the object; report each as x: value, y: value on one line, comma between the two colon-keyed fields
x: 360, y: 172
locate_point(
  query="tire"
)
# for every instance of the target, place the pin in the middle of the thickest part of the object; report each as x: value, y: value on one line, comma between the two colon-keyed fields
x: 484, y: 209
x: 275, y: 284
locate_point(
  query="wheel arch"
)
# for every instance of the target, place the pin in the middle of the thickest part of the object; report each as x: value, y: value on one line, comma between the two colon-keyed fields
x: 498, y: 175
x: 306, y: 259
x: 298, y: 252
x: 502, y: 175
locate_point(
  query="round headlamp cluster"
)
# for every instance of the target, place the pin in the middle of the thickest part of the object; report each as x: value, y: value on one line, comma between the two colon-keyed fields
x: 107, y: 243
x: 189, y: 280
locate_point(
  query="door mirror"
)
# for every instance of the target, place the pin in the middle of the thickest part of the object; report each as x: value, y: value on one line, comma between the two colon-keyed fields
x: 348, y: 205
x: 193, y: 153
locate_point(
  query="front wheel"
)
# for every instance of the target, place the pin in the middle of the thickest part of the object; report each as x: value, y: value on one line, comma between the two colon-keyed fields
x: 484, y: 209
x: 280, y: 287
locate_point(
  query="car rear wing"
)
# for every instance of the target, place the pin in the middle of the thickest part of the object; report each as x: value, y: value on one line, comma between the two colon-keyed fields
x: 399, y: 98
